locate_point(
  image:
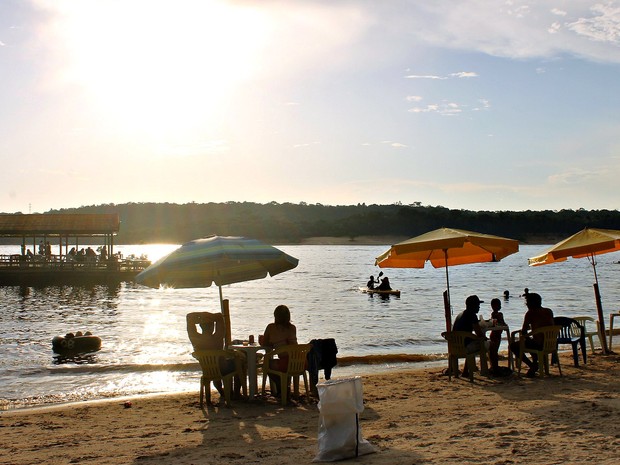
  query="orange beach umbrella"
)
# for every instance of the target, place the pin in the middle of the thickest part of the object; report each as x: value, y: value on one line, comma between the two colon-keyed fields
x: 447, y: 247
x: 586, y: 243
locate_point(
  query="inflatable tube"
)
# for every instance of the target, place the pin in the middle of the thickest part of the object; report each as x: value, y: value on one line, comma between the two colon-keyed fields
x: 76, y: 344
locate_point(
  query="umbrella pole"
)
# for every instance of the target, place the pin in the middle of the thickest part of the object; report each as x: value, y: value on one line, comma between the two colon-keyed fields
x: 221, y: 300
x: 599, y: 306
x: 446, y: 298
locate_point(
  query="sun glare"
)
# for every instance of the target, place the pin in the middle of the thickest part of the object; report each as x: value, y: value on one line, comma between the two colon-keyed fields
x: 158, y: 67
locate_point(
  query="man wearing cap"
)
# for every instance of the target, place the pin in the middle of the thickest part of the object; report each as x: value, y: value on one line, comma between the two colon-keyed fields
x: 467, y: 321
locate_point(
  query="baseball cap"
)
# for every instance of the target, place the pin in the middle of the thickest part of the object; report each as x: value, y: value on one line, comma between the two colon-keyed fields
x: 472, y: 301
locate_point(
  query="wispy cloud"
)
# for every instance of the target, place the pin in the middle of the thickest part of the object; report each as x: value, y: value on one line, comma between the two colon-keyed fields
x: 586, y: 29
x: 602, y: 26
x: 464, y: 74
x: 428, y: 76
x: 450, y: 108
x: 307, y: 144
x: 484, y: 105
x: 394, y: 144
x: 460, y: 74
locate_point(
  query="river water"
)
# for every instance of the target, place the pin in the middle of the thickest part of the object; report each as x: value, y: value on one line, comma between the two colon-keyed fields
x: 145, y: 347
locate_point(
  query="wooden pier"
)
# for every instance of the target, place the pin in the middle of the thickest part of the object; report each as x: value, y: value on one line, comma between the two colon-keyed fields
x: 69, y: 234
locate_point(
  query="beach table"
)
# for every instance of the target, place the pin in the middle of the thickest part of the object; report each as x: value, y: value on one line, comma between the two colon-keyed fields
x: 487, y: 325
x: 250, y: 351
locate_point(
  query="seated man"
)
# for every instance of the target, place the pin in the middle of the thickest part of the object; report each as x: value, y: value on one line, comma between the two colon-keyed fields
x: 211, y: 337
x: 536, y: 317
x: 467, y: 321
x: 212, y: 330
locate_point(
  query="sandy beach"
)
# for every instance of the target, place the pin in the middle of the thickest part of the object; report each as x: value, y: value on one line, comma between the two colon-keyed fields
x: 413, y: 416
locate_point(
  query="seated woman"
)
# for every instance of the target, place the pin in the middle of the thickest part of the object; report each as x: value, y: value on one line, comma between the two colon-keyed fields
x: 385, y: 285
x: 279, y: 333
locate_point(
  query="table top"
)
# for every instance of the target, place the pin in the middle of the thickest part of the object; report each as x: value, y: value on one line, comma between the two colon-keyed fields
x: 248, y: 347
x: 486, y: 325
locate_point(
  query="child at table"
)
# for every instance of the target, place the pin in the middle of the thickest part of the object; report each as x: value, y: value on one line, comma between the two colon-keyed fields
x: 495, y: 337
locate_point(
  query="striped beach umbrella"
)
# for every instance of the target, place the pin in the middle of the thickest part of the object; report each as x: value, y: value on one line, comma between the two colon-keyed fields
x: 218, y: 260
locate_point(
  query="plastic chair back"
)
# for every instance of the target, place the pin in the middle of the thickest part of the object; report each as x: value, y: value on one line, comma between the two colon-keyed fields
x: 296, y: 355
x: 583, y: 321
x: 572, y: 333
x: 211, y: 365
x: 457, y: 348
x: 550, y: 346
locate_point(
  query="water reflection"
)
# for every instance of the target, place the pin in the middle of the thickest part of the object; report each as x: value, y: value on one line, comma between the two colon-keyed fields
x: 77, y: 359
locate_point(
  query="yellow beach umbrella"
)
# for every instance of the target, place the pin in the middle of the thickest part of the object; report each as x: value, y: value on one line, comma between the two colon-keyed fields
x: 585, y: 244
x: 447, y: 247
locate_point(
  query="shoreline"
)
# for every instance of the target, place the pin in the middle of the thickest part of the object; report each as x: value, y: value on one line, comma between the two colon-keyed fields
x: 410, y: 416
x: 347, y: 366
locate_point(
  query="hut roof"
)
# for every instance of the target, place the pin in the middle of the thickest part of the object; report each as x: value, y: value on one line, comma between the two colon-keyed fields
x: 59, y: 224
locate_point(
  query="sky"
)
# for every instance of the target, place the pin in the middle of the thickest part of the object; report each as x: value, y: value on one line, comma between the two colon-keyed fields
x: 469, y: 104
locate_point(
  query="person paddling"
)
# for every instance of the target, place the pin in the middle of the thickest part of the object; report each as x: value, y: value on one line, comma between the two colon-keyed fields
x: 372, y: 281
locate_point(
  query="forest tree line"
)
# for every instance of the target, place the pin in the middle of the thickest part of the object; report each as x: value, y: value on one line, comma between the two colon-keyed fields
x: 281, y: 223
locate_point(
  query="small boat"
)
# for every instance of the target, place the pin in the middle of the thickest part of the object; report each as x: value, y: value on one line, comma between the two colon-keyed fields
x: 366, y: 290
x: 74, y: 344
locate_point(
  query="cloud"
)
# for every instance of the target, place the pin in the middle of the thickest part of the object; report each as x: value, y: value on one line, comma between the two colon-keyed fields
x: 447, y: 108
x: 465, y: 74
x: 484, y: 105
x: 512, y: 30
x: 394, y: 144
x: 461, y: 74
x: 304, y: 145
x: 602, y: 26
x: 413, y: 98
x: 416, y: 76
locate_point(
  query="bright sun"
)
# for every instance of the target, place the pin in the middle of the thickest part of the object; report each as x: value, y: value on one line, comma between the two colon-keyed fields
x: 159, y: 67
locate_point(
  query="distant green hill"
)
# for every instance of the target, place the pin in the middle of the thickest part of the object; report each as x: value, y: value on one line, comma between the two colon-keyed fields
x: 293, y: 223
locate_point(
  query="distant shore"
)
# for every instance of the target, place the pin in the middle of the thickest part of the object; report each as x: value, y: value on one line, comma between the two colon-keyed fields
x: 390, y: 240
x: 357, y: 240
x: 348, y: 240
